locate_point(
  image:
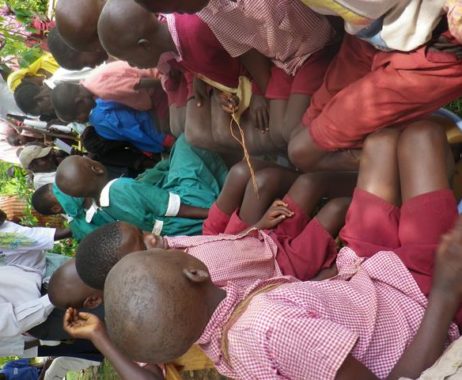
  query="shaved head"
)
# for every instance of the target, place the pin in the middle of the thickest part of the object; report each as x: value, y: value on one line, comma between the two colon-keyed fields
x: 131, y: 33
x: 81, y: 177
x: 77, y: 22
x: 66, y: 289
x: 156, y: 304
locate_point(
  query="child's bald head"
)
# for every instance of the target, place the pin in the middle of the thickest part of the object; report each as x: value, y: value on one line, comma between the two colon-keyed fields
x: 66, y: 289
x: 131, y: 33
x: 77, y: 22
x: 157, y: 304
x: 81, y: 177
x: 171, y: 6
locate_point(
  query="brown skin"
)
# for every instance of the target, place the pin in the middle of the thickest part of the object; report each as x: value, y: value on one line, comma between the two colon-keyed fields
x: 144, y: 38
x: 171, y: 6
x: 46, y: 164
x: 77, y: 21
x: 66, y: 289
x: 2, y: 217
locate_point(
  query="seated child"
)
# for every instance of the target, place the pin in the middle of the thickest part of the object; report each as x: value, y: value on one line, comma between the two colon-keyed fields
x: 111, y: 120
x: 356, y: 325
x: 50, y: 200
x: 245, y: 257
x: 34, y: 99
x: 171, y: 198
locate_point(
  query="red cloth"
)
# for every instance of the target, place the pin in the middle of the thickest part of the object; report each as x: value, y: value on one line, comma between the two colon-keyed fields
x: 202, y: 53
x: 178, y: 88
x: 304, y: 246
x: 366, y: 89
x: 306, y: 81
x: 412, y: 232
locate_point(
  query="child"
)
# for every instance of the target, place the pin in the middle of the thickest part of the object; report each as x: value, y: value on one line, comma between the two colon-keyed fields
x: 111, y: 120
x: 77, y: 21
x: 289, y: 242
x: 50, y: 200
x: 401, y: 53
x: 357, y: 324
x: 171, y: 198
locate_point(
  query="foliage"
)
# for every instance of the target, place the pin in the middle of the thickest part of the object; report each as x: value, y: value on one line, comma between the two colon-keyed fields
x: 456, y: 106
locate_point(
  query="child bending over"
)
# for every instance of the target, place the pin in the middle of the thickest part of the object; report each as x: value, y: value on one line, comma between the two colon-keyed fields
x: 171, y: 198
x: 372, y: 319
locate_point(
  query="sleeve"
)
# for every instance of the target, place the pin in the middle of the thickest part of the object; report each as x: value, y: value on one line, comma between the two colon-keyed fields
x: 16, y: 320
x: 36, y: 238
x: 297, y: 348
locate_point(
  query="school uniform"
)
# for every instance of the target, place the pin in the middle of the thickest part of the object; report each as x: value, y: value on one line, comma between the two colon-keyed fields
x: 371, y: 309
x: 401, y: 64
x: 116, y: 81
x: 296, y: 39
x: 191, y: 176
x: 303, y: 246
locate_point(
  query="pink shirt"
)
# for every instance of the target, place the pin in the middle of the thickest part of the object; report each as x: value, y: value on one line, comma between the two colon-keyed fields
x: 305, y: 330
x: 116, y: 81
x: 241, y: 259
x: 284, y: 30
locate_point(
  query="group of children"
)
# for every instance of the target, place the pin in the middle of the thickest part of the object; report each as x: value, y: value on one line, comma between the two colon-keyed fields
x: 331, y: 266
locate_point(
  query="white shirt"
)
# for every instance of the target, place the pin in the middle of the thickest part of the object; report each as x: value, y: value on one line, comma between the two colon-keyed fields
x: 42, y: 179
x: 22, y: 263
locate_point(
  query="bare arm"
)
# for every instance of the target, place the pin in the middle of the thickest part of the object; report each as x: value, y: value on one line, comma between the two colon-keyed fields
x: 62, y: 233
x: 147, y: 83
x: 193, y: 212
x: 258, y: 67
x: 88, y: 326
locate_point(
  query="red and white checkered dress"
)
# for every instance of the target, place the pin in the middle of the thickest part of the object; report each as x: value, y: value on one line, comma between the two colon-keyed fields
x: 284, y: 30
x: 305, y: 330
x: 241, y: 259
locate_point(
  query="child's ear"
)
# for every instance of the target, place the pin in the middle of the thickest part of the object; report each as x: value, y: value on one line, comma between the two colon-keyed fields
x: 92, y: 302
x: 57, y: 209
x: 97, y: 169
x: 196, y: 275
x: 144, y: 43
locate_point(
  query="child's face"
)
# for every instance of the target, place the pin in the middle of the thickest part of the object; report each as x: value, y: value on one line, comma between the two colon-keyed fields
x: 170, y: 6
x: 134, y: 240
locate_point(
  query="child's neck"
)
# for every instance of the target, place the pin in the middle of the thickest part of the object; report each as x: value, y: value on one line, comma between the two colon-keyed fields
x: 214, y: 297
x: 167, y: 44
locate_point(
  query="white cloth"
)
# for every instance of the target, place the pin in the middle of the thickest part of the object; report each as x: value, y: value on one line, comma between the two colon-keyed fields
x: 24, y: 246
x: 69, y: 76
x: 41, y: 179
x: 62, y: 365
x: 22, y: 264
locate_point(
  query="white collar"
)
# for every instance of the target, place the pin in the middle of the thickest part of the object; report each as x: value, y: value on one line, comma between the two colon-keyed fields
x: 104, y: 196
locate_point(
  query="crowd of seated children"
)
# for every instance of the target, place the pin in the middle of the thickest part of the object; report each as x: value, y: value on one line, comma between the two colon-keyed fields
x: 245, y: 262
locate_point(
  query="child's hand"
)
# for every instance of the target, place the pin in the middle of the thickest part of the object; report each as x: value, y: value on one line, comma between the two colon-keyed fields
x: 229, y: 102
x: 259, y: 112
x: 82, y: 325
x: 277, y: 212
x: 448, y: 265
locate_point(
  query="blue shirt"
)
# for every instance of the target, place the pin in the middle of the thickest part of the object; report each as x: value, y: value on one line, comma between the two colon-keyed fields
x: 115, y: 121
x: 20, y: 370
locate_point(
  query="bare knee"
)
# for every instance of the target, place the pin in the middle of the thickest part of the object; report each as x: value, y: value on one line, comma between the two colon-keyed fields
x: 421, y: 133
x: 380, y: 143
x: 267, y: 178
x: 298, y: 149
x: 332, y: 214
x: 198, y: 136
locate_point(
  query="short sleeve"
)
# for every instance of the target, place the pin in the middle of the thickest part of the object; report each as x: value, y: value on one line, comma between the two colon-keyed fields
x: 295, y: 348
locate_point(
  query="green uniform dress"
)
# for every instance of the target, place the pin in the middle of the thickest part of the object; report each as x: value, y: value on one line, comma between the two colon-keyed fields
x: 191, y: 176
x: 74, y: 209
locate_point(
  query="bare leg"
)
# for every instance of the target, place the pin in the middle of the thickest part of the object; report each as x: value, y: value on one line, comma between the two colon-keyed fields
x: 177, y: 120
x: 296, y: 107
x: 332, y: 215
x: 307, y: 156
x: 378, y: 173
x: 277, y: 110
x: 423, y: 154
x: 233, y: 191
x: 272, y: 183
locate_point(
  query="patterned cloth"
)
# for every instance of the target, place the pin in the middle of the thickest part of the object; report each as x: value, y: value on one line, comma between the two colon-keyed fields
x: 454, y: 11
x: 240, y: 259
x: 283, y: 30
x: 305, y: 330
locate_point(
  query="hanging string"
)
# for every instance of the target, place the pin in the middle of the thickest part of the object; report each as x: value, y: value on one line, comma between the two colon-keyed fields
x: 242, y: 143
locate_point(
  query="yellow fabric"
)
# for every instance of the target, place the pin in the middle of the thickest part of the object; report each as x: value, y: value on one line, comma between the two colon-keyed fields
x: 347, y: 14
x: 192, y: 360
x: 46, y: 62
x: 243, y: 92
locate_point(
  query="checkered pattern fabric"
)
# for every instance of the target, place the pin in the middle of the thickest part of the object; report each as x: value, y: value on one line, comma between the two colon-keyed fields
x: 242, y: 259
x: 305, y: 330
x: 284, y: 30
